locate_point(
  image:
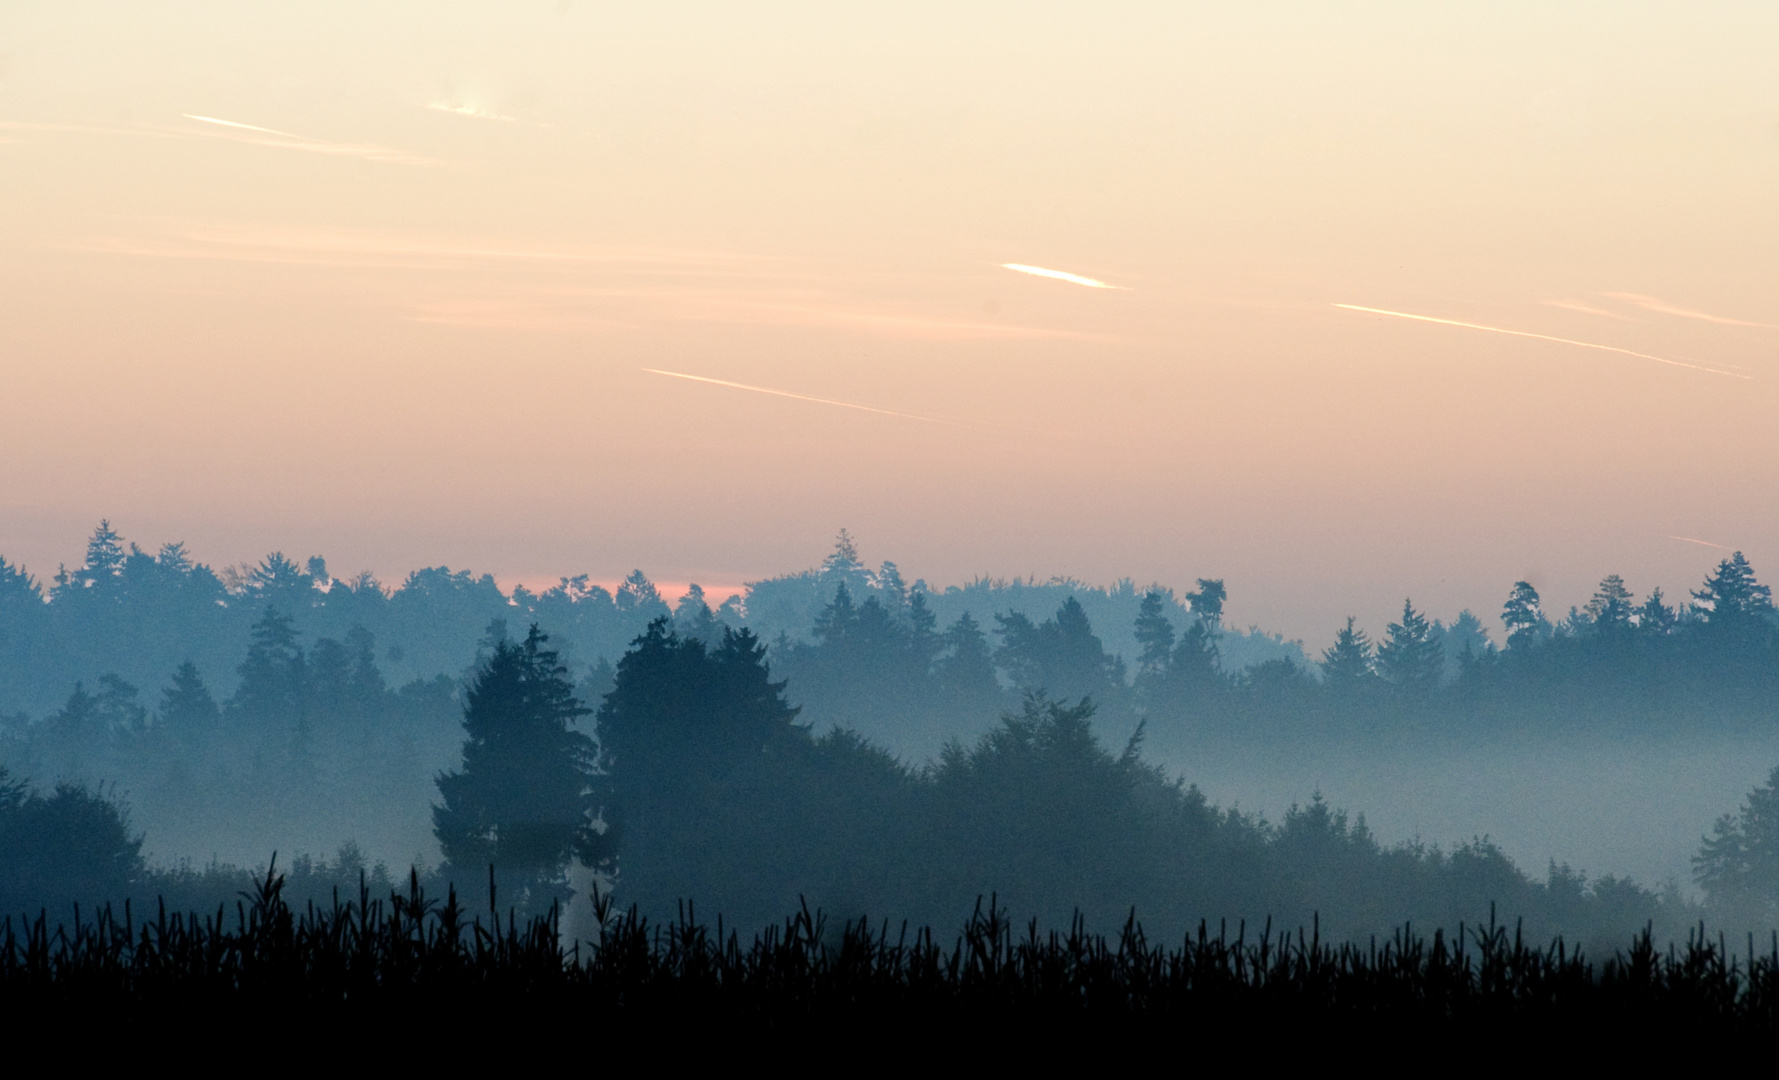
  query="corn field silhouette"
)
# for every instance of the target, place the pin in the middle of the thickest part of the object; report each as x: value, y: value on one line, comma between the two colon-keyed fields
x: 412, y: 956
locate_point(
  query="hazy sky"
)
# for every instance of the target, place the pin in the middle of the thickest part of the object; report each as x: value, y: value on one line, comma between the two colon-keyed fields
x: 385, y: 282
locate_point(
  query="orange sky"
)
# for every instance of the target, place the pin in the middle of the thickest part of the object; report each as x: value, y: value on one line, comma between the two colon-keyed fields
x: 406, y: 314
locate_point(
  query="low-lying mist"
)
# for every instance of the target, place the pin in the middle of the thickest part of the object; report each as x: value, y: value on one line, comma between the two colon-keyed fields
x: 845, y: 736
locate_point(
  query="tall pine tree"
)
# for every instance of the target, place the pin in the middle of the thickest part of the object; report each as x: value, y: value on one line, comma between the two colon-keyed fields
x: 521, y: 800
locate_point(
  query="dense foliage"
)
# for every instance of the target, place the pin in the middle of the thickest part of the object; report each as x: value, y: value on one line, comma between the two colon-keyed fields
x: 750, y: 773
x: 419, y: 969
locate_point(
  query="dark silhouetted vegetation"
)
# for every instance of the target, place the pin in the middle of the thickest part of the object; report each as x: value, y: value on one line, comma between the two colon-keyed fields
x: 840, y: 737
x: 416, y: 965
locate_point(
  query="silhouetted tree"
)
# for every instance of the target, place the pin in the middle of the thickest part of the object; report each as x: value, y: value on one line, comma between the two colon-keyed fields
x: 73, y: 845
x: 1155, y: 636
x: 1739, y: 861
x: 17, y: 588
x: 1196, y: 669
x: 1523, y: 616
x: 274, y: 674
x: 692, y: 617
x: 700, y: 767
x: 1207, y: 601
x: 188, y: 713
x: 1347, y: 664
x: 1061, y: 655
x: 639, y: 594
x: 966, y: 672
x: 521, y: 799
x: 1409, y: 658
x: 924, y: 643
x: 1732, y: 596
x: 104, y: 555
x: 1611, y: 608
x: 1655, y: 618
x: 681, y: 714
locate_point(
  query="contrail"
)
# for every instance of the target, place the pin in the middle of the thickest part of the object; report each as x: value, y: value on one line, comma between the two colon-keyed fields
x: 805, y: 397
x: 1542, y: 337
x: 247, y: 127
x: 1663, y: 307
x: 316, y: 146
x: 1060, y: 275
x: 1702, y: 543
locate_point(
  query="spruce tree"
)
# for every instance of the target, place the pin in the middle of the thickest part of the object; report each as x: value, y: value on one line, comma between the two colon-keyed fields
x: 1409, y: 658
x: 1348, y: 663
x: 1611, y: 608
x: 188, y: 713
x: 1732, y: 595
x: 521, y: 800
x: 1155, y: 636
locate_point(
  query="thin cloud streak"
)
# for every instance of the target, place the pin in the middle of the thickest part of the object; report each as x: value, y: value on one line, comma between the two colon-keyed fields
x: 1059, y: 275
x: 1650, y: 303
x: 673, y: 285
x: 288, y: 141
x: 1541, y: 337
x: 1701, y: 543
x: 245, y: 127
x: 471, y: 111
x: 1575, y: 305
x: 806, y: 397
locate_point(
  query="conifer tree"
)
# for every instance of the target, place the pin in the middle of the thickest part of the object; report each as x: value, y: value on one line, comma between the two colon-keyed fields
x: 1409, y: 658
x: 1348, y: 662
x: 1740, y: 860
x: 1732, y: 595
x: 1523, y: 616
x: 188, y: 713
x: 521, y: 799
x: 1155, y: 636
x: 1655, y: 617
x: 1207, y: 601
x: 1611, y: 608
x: 104, y: 553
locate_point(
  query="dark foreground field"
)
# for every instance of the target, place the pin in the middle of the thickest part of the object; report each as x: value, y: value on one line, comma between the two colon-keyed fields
x: 415, y: 968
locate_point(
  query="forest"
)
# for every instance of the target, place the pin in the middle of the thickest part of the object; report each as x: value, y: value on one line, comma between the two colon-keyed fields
x: 837, y: 740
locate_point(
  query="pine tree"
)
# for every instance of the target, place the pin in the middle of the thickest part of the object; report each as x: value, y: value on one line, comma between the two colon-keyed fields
x: 638, y: 594
x: 1611, y: 608
x: 1732, y: 595
x: 188, y: 713
x: 966, y: 673
x: 1740, y: 860
x: 1348, y: 662
x: 274, y: 675
x: 845, y: 557
x: 104, y: 554
x: 692, y: 617
x: 924, y: 642
x: 1197, y: 665
x: 1207, y: 601
x: 681, y: 717
x: 1155, y: 636
x: 521, y: 800
x: 835, y: 624
x: 1409, y: 658
x: 1523, y: 616
x: 1654, y: 617
x: 891, y: 585
x: 17, y: 588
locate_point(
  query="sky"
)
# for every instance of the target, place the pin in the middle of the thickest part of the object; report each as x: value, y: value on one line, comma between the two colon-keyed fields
x: 503, y: 287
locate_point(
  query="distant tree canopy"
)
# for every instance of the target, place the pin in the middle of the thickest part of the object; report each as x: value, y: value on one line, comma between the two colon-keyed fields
x: 848, y: 753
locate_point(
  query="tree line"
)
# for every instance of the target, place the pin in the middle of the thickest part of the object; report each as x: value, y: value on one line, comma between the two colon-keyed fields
x: 711, y: 764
